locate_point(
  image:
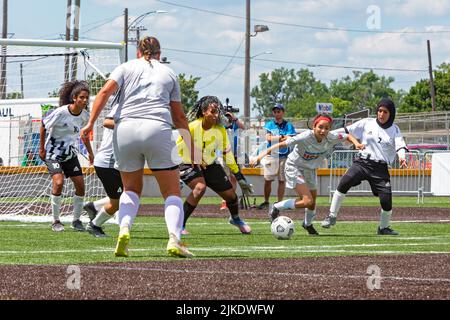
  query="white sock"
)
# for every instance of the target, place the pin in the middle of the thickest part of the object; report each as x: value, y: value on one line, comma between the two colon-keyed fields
x: 128, y: 208
x: 285, y: 204
x: 56, y: 206
x: 336, y: 203
x: 309, y: 216
x: 77, y: 207
x: 385, y: 220
x: 174, y: 215
x: 100, y: 203
x: 101, y: 217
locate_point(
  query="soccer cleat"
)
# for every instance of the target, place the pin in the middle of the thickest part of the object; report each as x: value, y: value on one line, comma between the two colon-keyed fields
x: 176, y: 249
x: 223, y: 206
x: 328, y: 222
x: 263, y: 205
x: 90, y: 209
x: 241, y: 225
x: 95, y: 231
x: 310, y: 229
x: 184, y: 232
x: 122, y: 245
x: 387, y: 232
x: 57, y: 226
x: 78, y: 226
x: 273, y: 213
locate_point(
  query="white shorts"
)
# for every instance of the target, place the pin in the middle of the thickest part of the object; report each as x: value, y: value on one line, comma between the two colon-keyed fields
x: 273, y: 168
x: 138, y: 140
x: 295, y: 176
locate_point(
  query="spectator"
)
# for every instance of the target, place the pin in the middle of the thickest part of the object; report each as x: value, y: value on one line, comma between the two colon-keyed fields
x: 277, y: 130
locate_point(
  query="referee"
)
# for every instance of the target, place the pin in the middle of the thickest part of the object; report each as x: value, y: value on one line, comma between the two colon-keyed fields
x: 383, y: 140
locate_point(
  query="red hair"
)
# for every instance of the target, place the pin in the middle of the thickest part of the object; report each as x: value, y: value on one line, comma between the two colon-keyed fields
x: 322, y: 117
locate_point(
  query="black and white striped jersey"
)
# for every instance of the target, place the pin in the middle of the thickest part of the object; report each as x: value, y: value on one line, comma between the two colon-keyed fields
x: 63, y: 131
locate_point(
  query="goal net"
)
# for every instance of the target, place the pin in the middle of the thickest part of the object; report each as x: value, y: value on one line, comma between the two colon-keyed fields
x: 31, y: 74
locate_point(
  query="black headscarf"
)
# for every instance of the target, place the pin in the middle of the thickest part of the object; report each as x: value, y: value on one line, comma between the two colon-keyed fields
x: 389, y: 104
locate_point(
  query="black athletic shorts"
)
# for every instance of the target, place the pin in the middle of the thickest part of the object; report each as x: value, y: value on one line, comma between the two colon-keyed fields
x: 111, y: 180
x: 377, y: 174
x: 214, y: 175
x: 70, y: 168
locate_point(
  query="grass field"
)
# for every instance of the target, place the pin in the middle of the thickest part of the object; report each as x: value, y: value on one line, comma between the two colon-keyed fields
x: 35, y: 243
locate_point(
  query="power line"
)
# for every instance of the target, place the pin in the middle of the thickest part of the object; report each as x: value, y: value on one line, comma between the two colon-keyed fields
x: 226, y: 67
x: 308, y: 64
x: 300, y: 25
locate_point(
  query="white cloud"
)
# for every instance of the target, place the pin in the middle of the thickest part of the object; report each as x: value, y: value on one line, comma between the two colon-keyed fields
x: 419, y: 8
x: 385, y: 45
x: 335, y: 37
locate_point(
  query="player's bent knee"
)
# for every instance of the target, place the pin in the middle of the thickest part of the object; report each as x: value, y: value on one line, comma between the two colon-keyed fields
x: 386, y: 201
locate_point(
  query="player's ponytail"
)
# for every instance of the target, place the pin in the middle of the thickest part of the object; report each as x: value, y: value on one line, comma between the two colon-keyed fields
x: 149, y: 47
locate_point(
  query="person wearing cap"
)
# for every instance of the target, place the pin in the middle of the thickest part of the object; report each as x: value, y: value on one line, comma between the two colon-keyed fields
x: 309, y: 149
x: 277, y: 130
x: 383, y: 140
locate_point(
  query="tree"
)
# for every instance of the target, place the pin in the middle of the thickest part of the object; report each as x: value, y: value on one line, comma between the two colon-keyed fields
x: 189, y: 95
x: 298, y: 91
x: 418, y: 99
x: 363, y: 91
x: 14, y: 95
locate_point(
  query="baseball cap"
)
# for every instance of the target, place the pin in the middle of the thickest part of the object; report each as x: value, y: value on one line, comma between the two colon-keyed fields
x: 278, y: 106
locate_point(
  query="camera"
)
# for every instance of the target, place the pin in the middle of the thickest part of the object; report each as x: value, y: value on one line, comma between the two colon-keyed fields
x: 228, y: 108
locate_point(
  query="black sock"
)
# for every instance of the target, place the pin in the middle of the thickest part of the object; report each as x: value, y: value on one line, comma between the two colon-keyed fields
x: 233, y: 206
x: 188, y: 209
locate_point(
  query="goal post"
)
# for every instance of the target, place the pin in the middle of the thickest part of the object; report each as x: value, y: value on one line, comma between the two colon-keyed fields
x: 35, y: 70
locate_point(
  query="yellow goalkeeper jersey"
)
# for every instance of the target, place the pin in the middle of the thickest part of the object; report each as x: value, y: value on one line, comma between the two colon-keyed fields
x: 209, y: 141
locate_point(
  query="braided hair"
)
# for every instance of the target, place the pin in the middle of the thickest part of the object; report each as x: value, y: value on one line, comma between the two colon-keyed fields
x: 72, y: 89
x: 202, y: 105
x: 149, y: 47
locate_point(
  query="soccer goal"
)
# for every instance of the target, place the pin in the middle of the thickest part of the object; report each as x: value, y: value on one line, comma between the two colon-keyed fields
x: 31, y: 73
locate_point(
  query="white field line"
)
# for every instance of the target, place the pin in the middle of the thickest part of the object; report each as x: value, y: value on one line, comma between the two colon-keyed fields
x: 272, y: 274
x: 306, y: 248
x: 39, y: 225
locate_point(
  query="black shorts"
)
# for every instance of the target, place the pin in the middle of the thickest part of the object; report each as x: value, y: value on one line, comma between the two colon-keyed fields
x: 214, y: 175
x: 377, y: 174
x: 111, y: 180
x: 70, y: 168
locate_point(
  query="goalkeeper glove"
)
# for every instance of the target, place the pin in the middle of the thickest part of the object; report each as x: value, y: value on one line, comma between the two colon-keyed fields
x: 247, y: 188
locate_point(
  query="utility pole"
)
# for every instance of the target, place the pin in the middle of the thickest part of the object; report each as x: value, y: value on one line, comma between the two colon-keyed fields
x: 138, y: 30
x: 247, y: 65
x: 76, y: 30
x: 247, y: 76
x: 125, y: 32
x: 68, y: 29
x: 430, y: 70
x: 3, y: 60
x: 21, y: 82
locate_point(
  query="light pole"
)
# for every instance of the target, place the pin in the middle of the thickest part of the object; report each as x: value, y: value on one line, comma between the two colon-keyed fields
x: 133, y: 27
x: 260, y: 54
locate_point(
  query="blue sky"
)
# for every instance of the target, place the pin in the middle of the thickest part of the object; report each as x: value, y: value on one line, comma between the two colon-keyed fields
x: 194, y: 30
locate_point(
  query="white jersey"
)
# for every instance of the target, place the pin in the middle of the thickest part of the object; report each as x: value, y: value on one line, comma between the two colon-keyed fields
x: 145, y: 90
x: 307, y: 152
x: 63, y: 129
x: 105, y: 154
x: 381, y: 144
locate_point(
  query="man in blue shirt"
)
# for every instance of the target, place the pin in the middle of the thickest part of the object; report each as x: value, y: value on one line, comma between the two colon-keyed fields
x: 277, y: 130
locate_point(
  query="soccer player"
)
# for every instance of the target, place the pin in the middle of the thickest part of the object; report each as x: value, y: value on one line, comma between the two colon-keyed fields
x: 149, y: 105
x: 103, y: 209
x: 309, y: 150
x: 383, y: 140
x: 209, y: 136
x: 59, y: 149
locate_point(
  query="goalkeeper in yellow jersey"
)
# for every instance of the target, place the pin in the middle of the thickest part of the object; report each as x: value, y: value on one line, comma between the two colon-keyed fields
x: 210, y: 136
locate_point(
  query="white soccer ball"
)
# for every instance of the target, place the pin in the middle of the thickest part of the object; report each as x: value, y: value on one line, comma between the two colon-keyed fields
x: 283, y: 228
